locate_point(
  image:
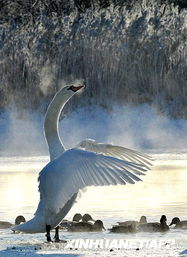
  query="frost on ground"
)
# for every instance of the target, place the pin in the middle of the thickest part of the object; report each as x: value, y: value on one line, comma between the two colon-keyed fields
x: 18, y: 245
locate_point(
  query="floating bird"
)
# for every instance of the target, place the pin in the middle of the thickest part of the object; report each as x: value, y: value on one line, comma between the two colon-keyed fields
x: 128, y: 228
x: 87, y: 227
x: 5, y: 224
x: 87, y: 217
x: 154, y: 226
x: 88, y: 164
x: 77, y: 217
x: 179, y: 224
x: 142, y: 220
x: 66, y: 224
x: 84, y: 225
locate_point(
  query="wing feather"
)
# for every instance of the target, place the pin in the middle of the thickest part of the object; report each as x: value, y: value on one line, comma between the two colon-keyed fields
x: 76, y: 169
x: 118, y: 152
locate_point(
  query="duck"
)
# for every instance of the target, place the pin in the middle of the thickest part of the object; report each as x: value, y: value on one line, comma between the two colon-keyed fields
x: 65, y: 223
x: 178, y: 223
x: 70, y: 170
x: 87, y: 217
x: 130, y: 227
x: 5, y: 224
x: 154, y: 226
x: 87, y: 227
x: 142, y: 220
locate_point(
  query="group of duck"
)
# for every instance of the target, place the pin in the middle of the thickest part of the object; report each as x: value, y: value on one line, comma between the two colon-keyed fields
x: 86, y: 223
x: 83, y: 223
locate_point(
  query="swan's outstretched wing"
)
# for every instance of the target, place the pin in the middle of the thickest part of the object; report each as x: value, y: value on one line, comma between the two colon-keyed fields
x: 76, y: 169
x: 116, y: 151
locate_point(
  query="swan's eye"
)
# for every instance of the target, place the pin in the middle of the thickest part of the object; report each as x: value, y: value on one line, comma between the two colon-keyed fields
x: 71, y: 88
x: 74, y: 89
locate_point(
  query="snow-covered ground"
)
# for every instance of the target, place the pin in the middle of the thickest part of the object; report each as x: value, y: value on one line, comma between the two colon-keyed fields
x: 163, y: 191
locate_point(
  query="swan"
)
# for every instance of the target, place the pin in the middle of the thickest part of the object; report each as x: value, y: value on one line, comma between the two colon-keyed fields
x: 89, y: 163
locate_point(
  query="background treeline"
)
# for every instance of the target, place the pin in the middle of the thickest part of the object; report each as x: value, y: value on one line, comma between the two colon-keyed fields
x: 127, y: 52
x: 17, y: 9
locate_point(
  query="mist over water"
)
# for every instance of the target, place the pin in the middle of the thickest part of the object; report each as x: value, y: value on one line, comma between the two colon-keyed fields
x: 141, y: 127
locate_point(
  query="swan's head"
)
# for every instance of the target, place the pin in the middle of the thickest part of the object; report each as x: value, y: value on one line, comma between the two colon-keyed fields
x: 65, y: 93
x: 74, y: 88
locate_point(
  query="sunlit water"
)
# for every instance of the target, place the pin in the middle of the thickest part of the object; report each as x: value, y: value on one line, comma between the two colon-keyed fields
x: 163, y: 191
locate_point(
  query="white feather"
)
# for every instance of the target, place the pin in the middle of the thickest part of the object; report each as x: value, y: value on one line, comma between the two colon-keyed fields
x: 116, y: 151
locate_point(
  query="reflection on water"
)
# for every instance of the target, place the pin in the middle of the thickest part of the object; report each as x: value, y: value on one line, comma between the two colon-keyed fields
x: 163, y: 191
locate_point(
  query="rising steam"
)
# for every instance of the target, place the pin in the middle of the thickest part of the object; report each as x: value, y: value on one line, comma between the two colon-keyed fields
x: 140, y: 127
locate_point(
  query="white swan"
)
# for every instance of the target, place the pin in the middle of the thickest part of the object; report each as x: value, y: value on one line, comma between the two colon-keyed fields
x: 90, y: 163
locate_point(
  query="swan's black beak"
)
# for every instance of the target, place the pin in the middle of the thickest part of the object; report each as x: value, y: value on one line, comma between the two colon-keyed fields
x: 75, y: 89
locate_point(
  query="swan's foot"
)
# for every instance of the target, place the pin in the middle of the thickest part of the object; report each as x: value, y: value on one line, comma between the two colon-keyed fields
x: 60, y: 241
x: 56, y: 237
x: 48, y: 228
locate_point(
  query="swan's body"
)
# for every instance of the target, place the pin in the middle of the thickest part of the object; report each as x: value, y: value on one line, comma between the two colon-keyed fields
x: 71, y: 170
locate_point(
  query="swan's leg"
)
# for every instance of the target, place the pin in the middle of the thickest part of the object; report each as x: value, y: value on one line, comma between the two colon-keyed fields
x: 57, y: 239
x: 48, y: 228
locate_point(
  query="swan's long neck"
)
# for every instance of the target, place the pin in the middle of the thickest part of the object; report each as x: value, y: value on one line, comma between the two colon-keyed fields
x: 51, y: 123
